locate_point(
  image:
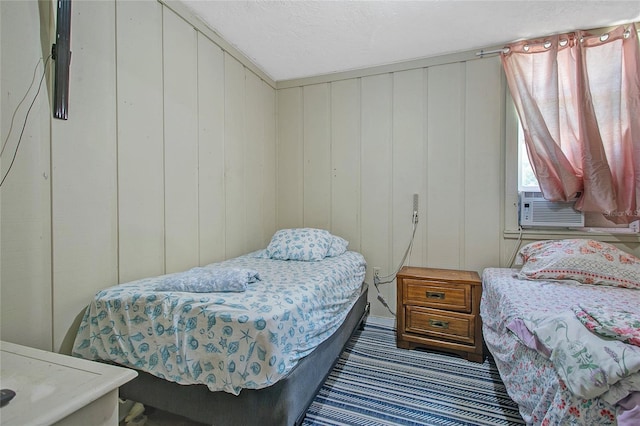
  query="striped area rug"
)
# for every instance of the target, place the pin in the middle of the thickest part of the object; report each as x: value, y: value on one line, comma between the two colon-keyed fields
x: 375, y: 383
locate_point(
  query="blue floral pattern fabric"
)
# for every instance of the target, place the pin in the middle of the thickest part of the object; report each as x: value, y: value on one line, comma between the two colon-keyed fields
x: 227, y: 341
x: 338, y: 246
x: 208, y: 280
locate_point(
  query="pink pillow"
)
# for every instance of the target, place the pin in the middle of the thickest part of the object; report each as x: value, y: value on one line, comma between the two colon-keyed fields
x: 585, y: 261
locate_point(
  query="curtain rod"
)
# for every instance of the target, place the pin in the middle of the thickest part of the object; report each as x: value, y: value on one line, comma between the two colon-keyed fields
x: 482, y: 53
x: 505, y: 50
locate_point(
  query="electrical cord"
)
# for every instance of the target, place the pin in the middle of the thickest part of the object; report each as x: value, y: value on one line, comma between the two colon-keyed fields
x: 404, y: 258
x: 376, y: 278
x: 382, y: 300
x: 512, y: 258
x: 24, y: 124
x: 13, y: 117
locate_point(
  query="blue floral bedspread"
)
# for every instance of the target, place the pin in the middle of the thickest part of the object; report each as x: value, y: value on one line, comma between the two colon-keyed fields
x: 227, y: 341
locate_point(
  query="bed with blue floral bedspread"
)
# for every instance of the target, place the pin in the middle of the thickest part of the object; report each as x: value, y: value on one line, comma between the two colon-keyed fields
x: 564, y: 331
x: 233, y: 326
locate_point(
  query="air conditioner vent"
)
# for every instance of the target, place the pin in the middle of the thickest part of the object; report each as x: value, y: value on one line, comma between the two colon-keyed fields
x: 535, y: 211
x: 530, y: 194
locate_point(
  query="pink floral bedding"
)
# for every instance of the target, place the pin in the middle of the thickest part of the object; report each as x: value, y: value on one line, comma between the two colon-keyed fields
x: 611, y: 323
x: 530, y: 377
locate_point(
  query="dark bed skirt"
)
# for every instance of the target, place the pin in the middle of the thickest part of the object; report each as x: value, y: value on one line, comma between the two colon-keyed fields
x: 284, y: 403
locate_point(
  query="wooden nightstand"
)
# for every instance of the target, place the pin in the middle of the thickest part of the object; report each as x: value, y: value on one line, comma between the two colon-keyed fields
x: 440, y: 309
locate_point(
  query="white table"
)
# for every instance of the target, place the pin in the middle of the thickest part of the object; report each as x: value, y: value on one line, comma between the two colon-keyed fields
x: 53, y: 388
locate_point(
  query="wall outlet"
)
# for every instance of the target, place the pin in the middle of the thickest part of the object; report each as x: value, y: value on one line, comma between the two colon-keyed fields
x: 376, y: 272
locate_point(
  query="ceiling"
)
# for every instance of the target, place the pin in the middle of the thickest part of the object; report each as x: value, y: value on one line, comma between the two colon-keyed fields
x: 301, y: 38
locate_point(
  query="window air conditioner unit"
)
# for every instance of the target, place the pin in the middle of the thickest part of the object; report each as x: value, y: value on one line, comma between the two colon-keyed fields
x: 535, y: 211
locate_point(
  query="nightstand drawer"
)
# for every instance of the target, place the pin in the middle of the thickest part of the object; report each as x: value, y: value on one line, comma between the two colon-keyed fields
x: 449, y: 296
x: 440, y: 324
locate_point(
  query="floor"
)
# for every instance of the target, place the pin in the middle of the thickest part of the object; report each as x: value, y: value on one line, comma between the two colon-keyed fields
x: 162, y: 418
x: 373, y: 379
x: 154, y: 417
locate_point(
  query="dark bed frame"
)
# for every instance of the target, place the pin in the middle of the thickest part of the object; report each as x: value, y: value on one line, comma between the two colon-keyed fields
x: 283, y: 403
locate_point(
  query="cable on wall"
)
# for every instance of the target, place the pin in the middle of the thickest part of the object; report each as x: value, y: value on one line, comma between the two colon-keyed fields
x: 512, y: 258
x: 391, y: 277
x: 24, y: 124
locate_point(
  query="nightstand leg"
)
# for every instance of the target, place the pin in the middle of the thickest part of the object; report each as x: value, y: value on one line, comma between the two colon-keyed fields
x: 475, y: 358
x: 403, y: 345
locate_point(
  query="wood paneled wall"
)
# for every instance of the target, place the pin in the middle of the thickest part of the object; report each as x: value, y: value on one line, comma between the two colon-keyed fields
x: 167, y: 161
x: 180, y: 152
x: 352, y: 153
x: 25, y: 196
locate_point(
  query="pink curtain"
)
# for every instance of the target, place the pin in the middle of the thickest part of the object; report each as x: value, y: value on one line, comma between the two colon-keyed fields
x: 578, y: 98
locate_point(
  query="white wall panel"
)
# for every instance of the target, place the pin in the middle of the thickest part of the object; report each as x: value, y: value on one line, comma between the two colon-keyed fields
x: 484, y: 177
x: 140, y: 148
x: 254, y: 162
x: 235, y: 147
x: 211, y: 116
x: 345, y: 161
x: 180, y: 143
x: 269, y: 170
x: 289, y: 203
x: 408, y: 162
x: 446, y: 173
x: 84, y: 175
x: 376, y: 179
x: 317, y: 156
x: 25, y: 206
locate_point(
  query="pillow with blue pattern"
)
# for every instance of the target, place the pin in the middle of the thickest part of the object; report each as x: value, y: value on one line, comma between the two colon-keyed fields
x: 337, y: 247
x: 299, y: 244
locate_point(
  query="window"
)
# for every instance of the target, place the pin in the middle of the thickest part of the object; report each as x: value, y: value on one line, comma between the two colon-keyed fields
x: 527, y: 180
x: 576, y: 103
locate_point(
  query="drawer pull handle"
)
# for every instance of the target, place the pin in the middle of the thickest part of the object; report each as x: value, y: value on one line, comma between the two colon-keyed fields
x: 438, y: 324
x: 435, y: 295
